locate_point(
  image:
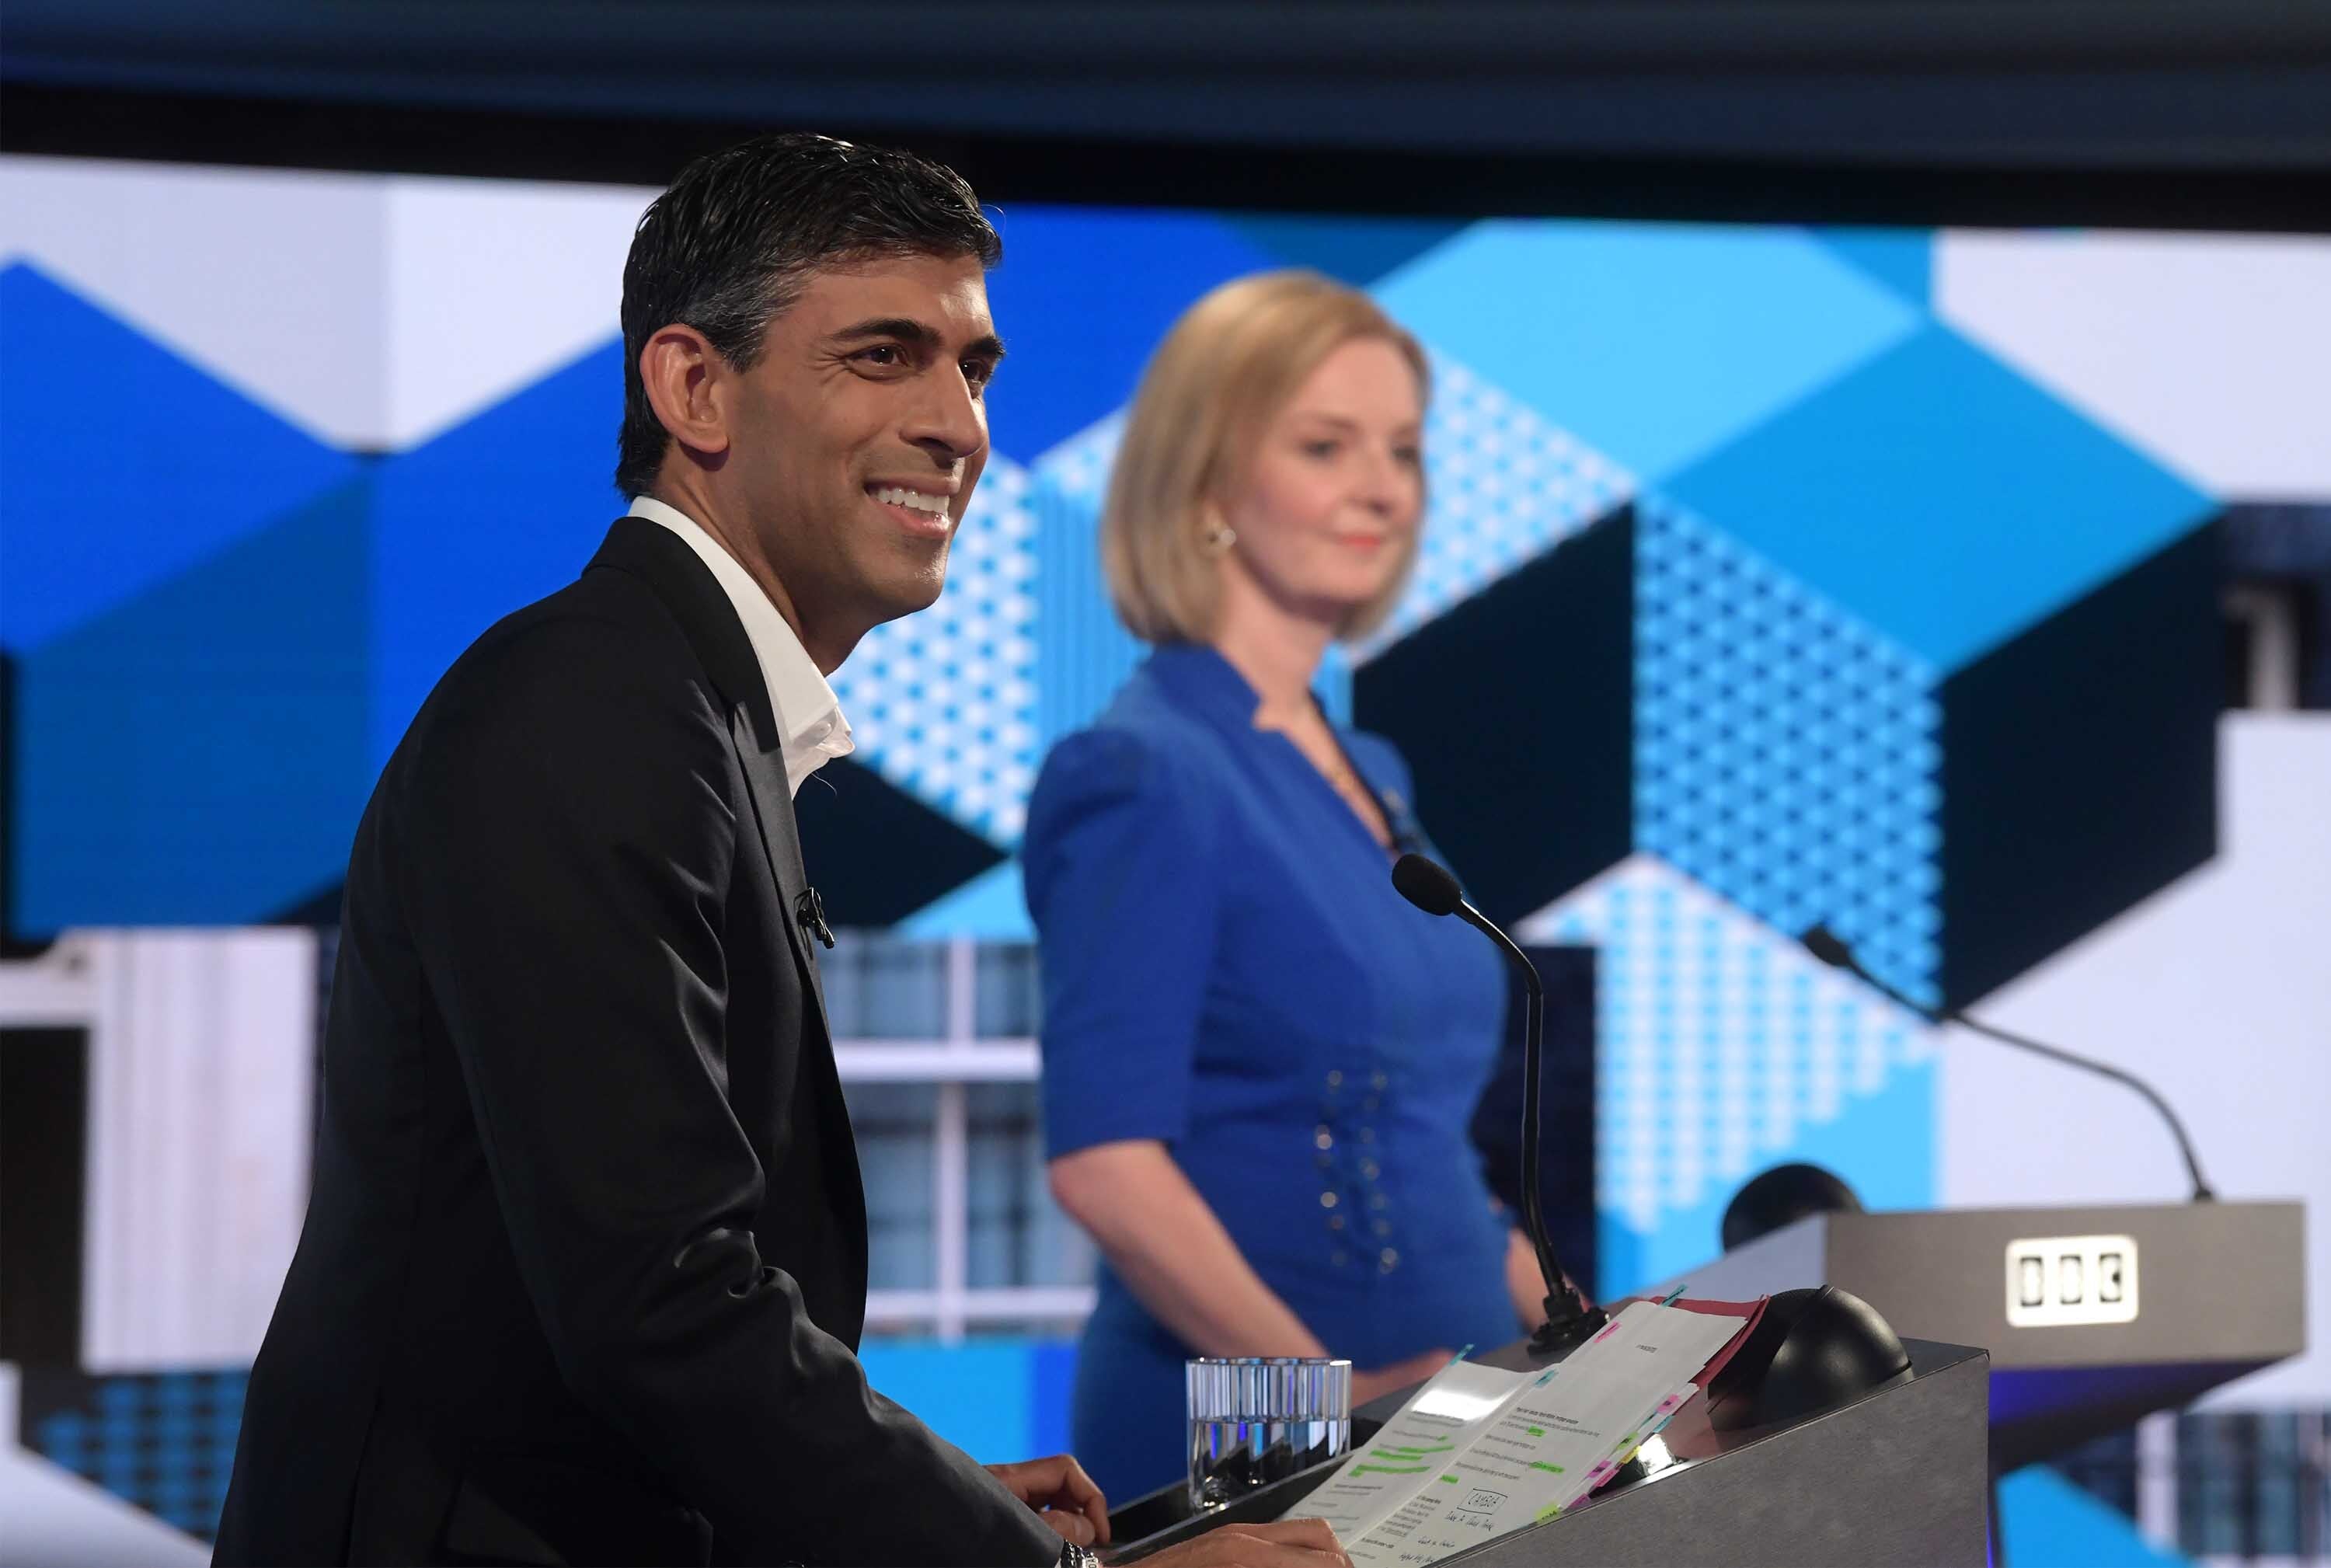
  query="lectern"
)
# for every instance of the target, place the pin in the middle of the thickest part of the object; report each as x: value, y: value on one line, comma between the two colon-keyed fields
x: 1896, y: 1476
x: 2093, y: 1317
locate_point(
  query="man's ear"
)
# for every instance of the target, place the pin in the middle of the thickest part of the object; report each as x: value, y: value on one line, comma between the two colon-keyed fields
x: 680, y: 369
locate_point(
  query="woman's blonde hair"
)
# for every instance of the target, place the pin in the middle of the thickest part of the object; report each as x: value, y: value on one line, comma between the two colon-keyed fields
x: 1221, y: 375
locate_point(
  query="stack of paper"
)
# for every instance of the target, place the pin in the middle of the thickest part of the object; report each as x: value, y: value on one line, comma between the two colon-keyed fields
x: 1478, y: 1451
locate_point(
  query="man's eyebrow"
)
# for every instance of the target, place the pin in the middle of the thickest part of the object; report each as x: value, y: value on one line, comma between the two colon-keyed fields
x: 921, y: 334
x: 905, y: 328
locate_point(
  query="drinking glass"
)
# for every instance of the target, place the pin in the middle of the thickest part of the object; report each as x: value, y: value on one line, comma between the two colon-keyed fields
x: 1256, y: 1420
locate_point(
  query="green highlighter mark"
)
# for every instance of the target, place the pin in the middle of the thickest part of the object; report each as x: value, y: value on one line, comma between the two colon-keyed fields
x: 1390, y: 1470
x: 1542, y: 1465
x: 1537, y: 1431
x: 1450, y: 1479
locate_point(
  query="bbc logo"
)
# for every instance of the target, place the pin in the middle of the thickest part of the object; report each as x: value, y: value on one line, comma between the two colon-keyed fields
x: 2054, y: 1281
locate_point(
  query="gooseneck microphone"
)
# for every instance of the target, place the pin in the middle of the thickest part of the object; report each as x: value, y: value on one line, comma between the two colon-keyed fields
x: 1428, y: 885
x: 1833, y: 950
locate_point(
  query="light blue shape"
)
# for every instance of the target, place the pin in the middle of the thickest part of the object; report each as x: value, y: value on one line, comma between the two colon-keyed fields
x: 121, y: 464
x: 1084, y: 653
x: 977, y: 1395
x: 195, y: 756
x: 989, y: 908
x: 1882, y: 1144
x: 1653, y: 343
x: 1942, y: 497
x: 2049, y: 1523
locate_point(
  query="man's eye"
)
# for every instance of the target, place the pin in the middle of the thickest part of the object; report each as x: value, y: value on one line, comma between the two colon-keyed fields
x: 978, y: 373
x: 883, y: 353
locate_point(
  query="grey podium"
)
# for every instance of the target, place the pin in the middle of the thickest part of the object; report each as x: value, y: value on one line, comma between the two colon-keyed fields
x: 2094, y: 1316
x: 1896, y: 1476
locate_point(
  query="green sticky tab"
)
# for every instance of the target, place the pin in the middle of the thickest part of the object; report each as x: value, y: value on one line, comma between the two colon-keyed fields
x: 1548, y: 1512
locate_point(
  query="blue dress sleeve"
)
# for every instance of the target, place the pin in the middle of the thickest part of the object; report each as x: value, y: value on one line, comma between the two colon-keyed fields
x: 1119, y: 862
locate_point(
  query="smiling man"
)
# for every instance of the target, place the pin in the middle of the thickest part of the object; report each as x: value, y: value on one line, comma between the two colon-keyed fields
x: 585, y: 1269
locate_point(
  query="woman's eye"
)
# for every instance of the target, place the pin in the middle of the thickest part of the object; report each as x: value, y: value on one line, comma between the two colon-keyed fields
x: 1408, y: 456
x: 1321, y: 448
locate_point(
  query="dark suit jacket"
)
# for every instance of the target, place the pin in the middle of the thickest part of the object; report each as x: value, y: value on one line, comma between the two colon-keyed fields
x: 585, y: 1262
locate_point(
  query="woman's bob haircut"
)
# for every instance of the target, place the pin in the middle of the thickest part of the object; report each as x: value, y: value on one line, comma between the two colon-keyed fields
x: 1223, y: 375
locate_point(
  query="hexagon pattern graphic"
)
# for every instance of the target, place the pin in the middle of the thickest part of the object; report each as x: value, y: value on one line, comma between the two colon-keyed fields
x: 944, y: 703
x: 1785, y: 753
x: 1724, y: 1047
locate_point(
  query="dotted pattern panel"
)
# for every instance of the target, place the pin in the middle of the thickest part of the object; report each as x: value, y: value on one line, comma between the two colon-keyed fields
x: 1785, y: 753
x: 944, y: 703
x: 1078, y: 468
x: 1502, y: 485
x: 163, y: 1441
x: 1719, y: 1039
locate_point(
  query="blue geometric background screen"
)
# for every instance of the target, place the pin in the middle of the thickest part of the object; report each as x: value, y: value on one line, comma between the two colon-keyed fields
x: 1773, y: 549
x: 1833, y: 503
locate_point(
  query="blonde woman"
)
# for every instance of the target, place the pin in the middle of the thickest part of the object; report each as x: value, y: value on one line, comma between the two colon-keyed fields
x: 1259, y: 1061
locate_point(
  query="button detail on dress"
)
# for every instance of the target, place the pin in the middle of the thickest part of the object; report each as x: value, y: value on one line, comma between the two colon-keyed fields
x: 1388, y: 1259
x: 1327, y: 1200
x: 1324, y: 1138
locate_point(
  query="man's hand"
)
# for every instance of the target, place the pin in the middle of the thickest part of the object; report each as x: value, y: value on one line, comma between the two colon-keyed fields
x: 1295, y: 1544
x: 1062, y: 1494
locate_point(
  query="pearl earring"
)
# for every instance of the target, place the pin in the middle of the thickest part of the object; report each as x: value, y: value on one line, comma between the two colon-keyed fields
x: 1219, y: 540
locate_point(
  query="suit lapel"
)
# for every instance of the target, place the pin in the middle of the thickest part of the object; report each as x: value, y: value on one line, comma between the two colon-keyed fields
x: 649, y: 550
x: 773, y: 813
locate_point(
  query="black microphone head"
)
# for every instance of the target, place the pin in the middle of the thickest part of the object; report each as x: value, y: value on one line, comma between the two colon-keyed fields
x: 1427, y: 884
x: 1829, y: 948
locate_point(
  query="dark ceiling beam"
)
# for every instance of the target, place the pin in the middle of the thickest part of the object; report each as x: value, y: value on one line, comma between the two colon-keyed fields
x: 2126, y: 84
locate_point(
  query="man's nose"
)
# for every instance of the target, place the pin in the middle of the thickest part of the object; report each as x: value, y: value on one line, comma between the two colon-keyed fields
x: 946, y: 421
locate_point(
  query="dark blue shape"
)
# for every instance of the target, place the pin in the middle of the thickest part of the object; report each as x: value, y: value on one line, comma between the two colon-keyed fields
x: 1356, y: 251
x: 494, y: 514
x: 1082, y: 297
x: 122, y: 463
x: 195, y: 756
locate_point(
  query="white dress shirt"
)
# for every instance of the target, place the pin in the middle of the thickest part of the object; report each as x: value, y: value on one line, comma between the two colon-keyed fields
x: 810, y: 723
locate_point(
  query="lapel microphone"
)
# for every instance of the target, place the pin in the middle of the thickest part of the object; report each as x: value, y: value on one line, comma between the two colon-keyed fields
x: 809, y: 916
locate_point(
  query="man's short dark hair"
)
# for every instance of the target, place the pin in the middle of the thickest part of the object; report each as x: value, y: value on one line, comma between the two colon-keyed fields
x: 732, y: 244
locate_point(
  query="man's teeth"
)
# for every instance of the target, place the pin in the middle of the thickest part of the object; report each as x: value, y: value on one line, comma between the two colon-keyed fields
x: 935, y: 505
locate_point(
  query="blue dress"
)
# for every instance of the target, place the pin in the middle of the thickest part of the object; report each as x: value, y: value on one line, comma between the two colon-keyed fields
x: 1227, y: 969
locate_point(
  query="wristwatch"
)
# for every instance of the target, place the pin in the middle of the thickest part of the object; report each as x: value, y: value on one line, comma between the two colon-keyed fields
x: 1075, y: 1556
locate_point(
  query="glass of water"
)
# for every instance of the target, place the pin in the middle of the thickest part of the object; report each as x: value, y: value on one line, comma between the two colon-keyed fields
x: 1256, y: 1420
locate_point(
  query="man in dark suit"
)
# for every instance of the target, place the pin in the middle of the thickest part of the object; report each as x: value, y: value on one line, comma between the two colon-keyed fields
x: 585, y: 1269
